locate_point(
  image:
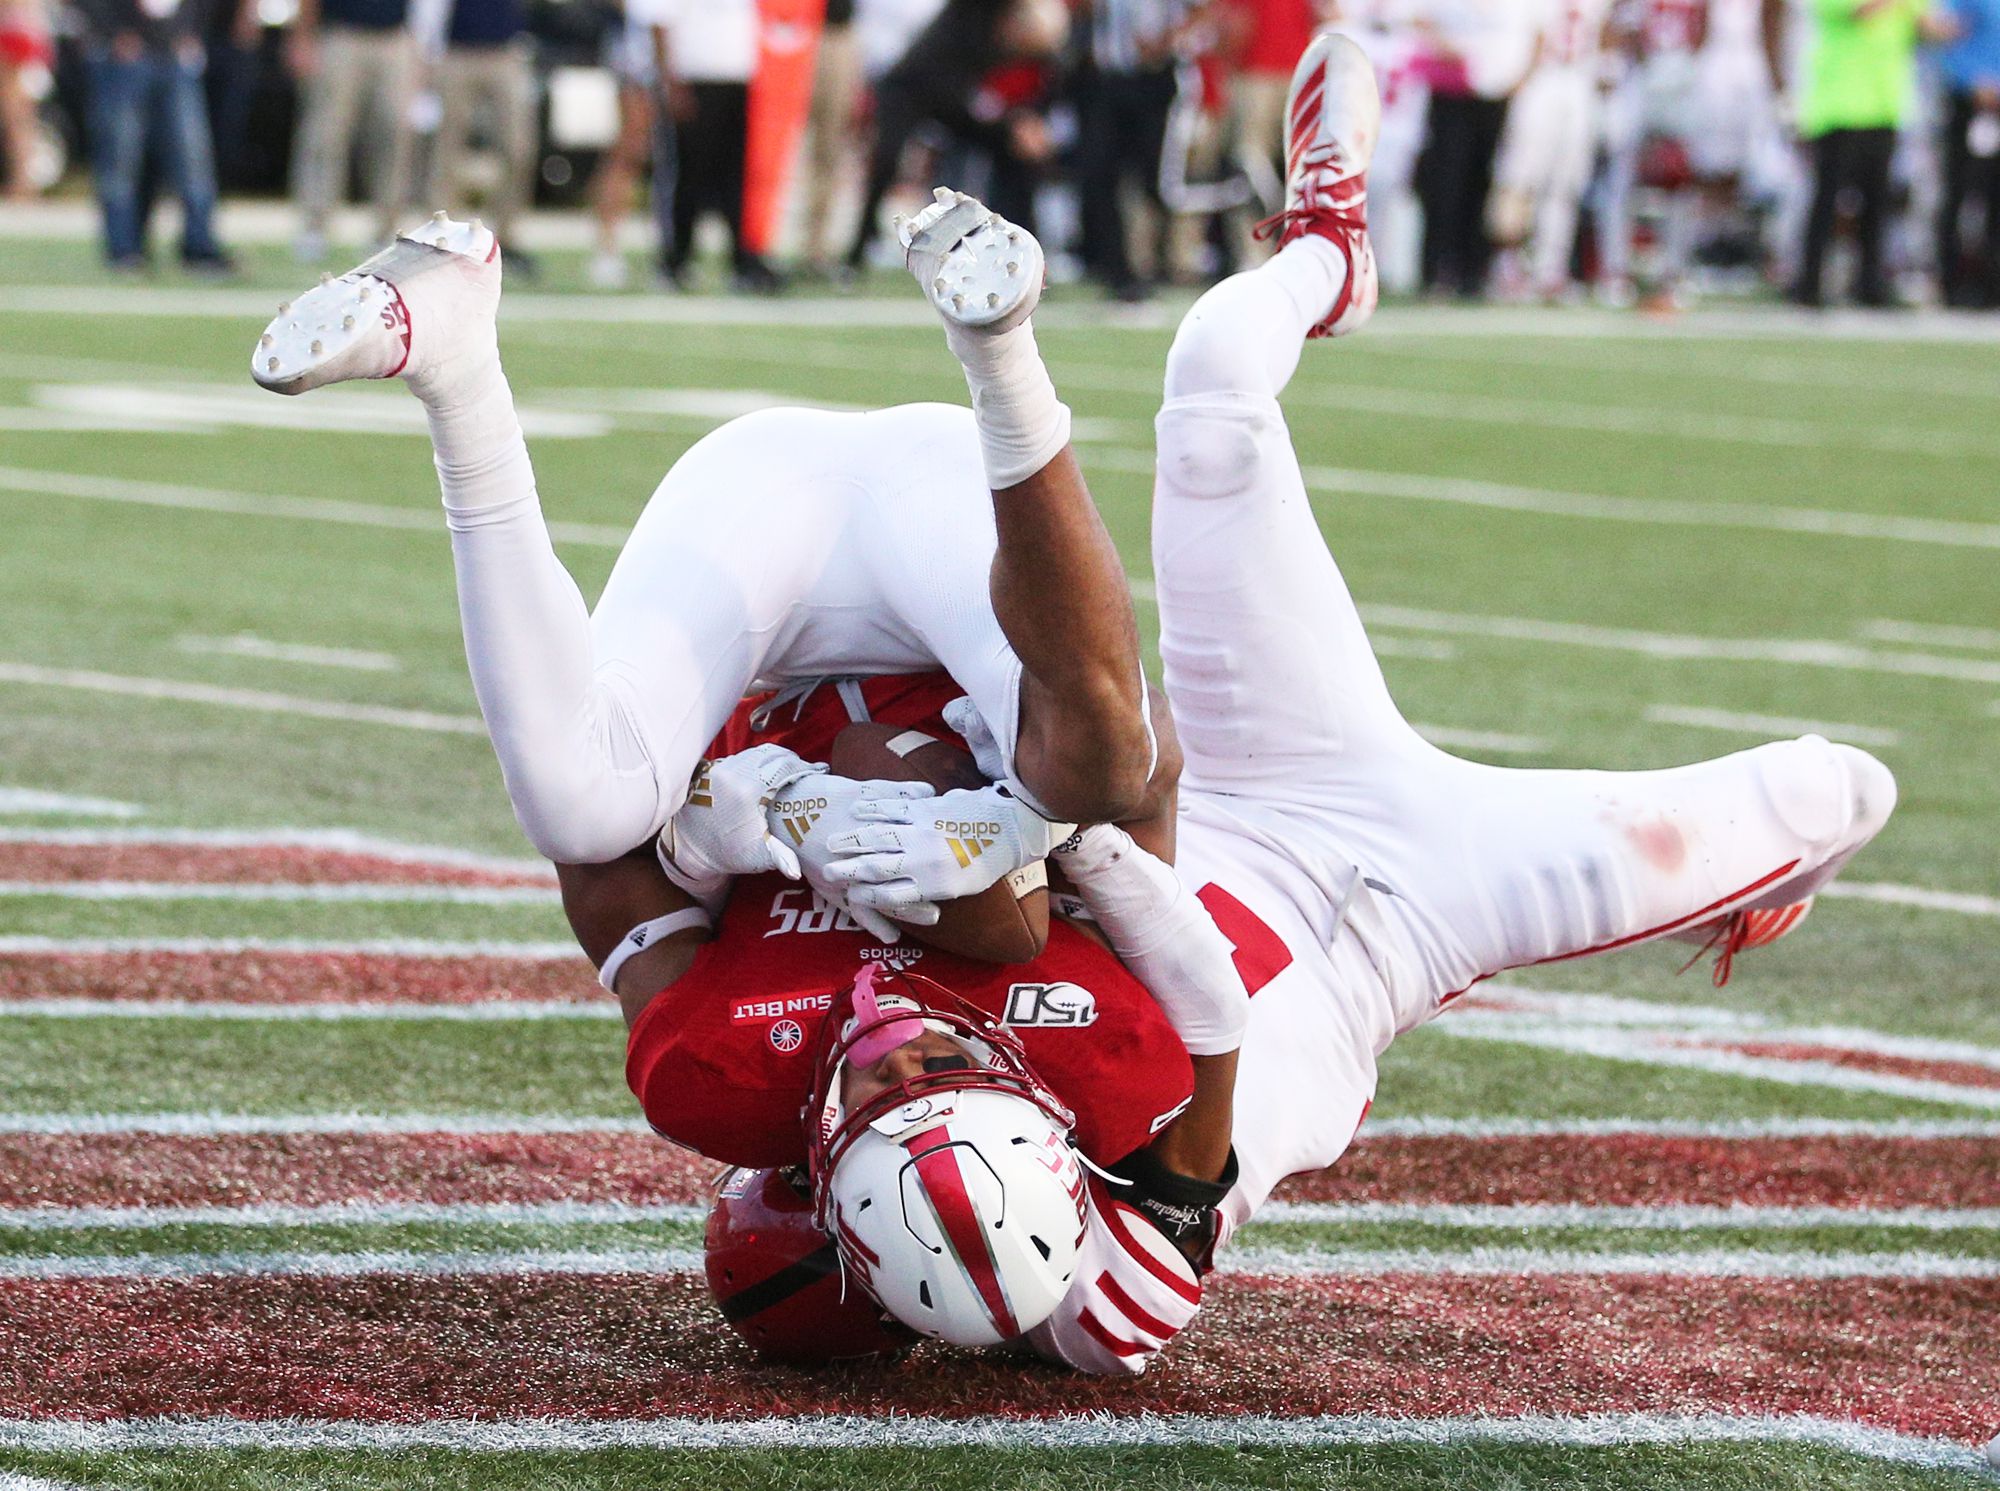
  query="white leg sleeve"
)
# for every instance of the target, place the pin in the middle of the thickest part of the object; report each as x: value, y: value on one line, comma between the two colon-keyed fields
x: 1268, y: 670
x: 575, y: 768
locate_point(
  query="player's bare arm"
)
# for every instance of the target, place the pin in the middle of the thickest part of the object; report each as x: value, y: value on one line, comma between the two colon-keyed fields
x: 1085, y: 752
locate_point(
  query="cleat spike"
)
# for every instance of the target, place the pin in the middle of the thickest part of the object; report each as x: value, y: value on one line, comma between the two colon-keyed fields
x: 347, y: 323
x: 958, y: 302
x: 264, y: 340
x: 271, y: 365
x: 284, y: 307
x: 317, y: 348
x: 439, y: 216
x: 943, y: 194
x: 1013, y: 266
x: 326, y: 279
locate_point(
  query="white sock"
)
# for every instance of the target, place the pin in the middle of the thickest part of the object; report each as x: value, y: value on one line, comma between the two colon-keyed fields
x: 1022, y: 424
x: 1245, y: 334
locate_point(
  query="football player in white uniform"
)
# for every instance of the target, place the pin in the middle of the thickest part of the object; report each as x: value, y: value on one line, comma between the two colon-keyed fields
x: 1549, y: 146
x: 1338, y: 880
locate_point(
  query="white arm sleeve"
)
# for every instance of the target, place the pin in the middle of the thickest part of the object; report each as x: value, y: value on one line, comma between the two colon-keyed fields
x: 1132, y: 1294
x: 1164, y: 935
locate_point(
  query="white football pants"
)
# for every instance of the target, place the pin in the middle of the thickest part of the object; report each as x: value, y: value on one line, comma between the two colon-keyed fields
x: 787, y: 546
x: 1289, y: 729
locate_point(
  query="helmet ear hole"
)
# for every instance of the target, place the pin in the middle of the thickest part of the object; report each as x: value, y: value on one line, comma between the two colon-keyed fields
x: 924, y: 1294
x: 1041, y: 1247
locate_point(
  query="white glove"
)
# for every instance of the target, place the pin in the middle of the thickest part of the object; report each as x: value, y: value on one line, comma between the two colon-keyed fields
x: 1163, y: 933
x: 720, y: 831
x: 904, y: 857
x: 964, y: 717
x: 810, y: 812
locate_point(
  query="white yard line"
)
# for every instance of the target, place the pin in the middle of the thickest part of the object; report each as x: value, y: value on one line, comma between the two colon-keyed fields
x: 348, y: 1213
x: 1669, y: 512
x: 1302, y: 1262
x: 280, y: 1125
x: 198, y: 408
x: 1742, y: 1263
x: 387, y: 947
x: 1921, y: 634
x: 1725, y: 1129
x: 479, y: 1012
x: 11, y: 1481
x: 219, y: 1125
x: 257, y: 701
x: 1842, y: 656
x: 1648, y: 1049
x: 335, y: 840
x: 1962, y: 902
x: 32, y: 801
x: 1696, y: 717
x: 264, y: 650
x: 1659, y: 511
x: 263, y: 505
x: 1447, y: 737
x: 189, y: 890
x: 906, y: 1431
x: 1668, y: 1218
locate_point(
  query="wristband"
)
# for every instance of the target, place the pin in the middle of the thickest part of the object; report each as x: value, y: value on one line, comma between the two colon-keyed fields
x: 644, y: 936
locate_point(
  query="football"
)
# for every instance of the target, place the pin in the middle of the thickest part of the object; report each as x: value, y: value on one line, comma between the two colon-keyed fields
x: 1008, y: 922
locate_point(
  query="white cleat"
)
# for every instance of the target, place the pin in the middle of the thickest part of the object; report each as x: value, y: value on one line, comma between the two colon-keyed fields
x: 1333, y: 117
x: 424, y: 304
x: 979, y: 270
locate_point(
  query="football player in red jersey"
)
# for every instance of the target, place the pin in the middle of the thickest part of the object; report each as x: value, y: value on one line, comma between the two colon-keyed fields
x: 1336, y: 880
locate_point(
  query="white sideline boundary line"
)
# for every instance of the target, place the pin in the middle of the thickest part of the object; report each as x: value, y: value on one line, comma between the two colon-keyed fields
x: 532, y: 1125
x: 201, y: 890
x: 388, y: 947
x: 337, y: 840
x: 1696, y: 717
x: 258, y: 701
x: 909, y: 1431
x: 1667, y: 1218
x: 1261, y: 1262
x: 11, y: 1481
x: 474, y: 1012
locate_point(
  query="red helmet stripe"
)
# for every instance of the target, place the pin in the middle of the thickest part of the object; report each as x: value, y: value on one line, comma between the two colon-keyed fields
x: 936, y: 1159
x: 1095, y: 1329
x: 1131, y: 1309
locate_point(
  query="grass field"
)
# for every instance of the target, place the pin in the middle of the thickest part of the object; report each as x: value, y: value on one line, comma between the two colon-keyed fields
x: 316, y: 1163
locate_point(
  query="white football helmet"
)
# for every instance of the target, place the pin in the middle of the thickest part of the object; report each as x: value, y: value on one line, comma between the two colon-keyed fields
x: 955, y: 1196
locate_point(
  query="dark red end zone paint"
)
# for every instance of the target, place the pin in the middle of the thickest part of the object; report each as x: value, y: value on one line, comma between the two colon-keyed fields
x: 268, y: 977
x: 1911, y: 1356
x: 317, y: 1169
x: 1621, y: 1170
x: 1651, y: 1170
x: 1960, y: 1073
x: 208, y: 864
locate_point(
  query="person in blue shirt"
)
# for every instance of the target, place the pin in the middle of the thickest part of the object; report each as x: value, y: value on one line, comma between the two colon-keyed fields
x: 1969, y: 268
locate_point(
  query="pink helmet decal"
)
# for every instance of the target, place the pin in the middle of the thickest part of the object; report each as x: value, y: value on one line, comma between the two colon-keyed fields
x: 878, y: 1043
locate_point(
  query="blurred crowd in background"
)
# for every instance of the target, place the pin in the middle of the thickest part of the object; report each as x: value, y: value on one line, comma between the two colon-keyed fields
x: 1638, y: 151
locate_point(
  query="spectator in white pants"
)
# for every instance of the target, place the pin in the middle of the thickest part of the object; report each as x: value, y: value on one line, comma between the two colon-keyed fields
x: 488, y: 61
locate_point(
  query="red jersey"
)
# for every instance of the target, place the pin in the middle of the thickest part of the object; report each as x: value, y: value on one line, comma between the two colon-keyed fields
x: 721, y: 1060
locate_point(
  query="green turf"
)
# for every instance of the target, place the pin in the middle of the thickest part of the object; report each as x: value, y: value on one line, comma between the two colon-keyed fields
x: 1713, y: 421
x: 1466, y: 1467
x: 575, y: 1066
